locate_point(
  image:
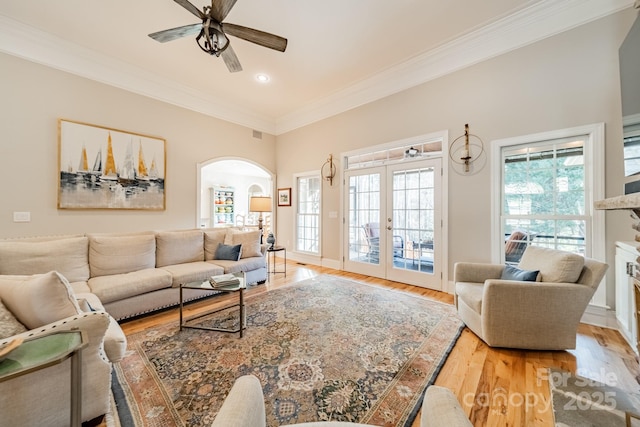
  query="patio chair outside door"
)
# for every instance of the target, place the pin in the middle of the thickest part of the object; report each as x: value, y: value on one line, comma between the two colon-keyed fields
x: 393, y: 225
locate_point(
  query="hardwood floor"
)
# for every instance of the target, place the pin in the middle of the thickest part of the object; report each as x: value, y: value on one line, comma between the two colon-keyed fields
x: 496, y: 387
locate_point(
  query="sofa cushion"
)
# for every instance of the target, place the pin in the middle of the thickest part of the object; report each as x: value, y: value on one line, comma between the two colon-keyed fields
x: 68, y: 256
x: 178, y: 247
x: 554, y: 265
x: 471, y: 294
x: 39, y: 299
x: 212, y: 238
x: 227, y: 252
x: 121, y: 286
x: 245, y: 264
x: 192, y: 272
x: 250, y: 241
x: 109, y: 255
x: 514, y: 273
x: 9, y: 325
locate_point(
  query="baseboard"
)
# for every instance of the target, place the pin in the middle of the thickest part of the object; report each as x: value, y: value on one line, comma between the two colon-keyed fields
x: 331, y: 263
x: 600, y: 316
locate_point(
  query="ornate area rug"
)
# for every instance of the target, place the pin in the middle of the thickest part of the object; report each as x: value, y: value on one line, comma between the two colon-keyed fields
x: 583, y: 402
x: 325, y: 348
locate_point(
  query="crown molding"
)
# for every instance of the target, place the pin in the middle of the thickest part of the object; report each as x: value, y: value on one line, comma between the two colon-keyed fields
x: 531, y: 24
x: 528, y: 26
x: 34, y: 45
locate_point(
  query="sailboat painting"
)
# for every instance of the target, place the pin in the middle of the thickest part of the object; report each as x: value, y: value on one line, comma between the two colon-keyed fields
x: 120, y: 177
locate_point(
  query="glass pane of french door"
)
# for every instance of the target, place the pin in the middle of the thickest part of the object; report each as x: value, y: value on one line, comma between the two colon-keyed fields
x: 363, y: 205
x: 414, y: 223
x: 393, y: 222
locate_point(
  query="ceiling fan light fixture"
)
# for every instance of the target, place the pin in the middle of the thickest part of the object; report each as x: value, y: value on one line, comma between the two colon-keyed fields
x: 262, y: 78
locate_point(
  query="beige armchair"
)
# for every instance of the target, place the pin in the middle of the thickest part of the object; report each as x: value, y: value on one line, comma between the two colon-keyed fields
x: 43, y: 304
x: 244, y: 407
x: 541, y: 315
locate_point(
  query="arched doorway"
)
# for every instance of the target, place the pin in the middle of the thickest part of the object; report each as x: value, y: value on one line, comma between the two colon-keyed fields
x: 225, y: 186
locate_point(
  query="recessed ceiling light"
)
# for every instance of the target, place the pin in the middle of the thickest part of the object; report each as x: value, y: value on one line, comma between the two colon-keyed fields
x: 262, y: 78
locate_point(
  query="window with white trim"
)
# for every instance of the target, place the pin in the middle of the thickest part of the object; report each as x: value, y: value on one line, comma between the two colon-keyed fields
x: 308, y: 213
x: 546, y: 185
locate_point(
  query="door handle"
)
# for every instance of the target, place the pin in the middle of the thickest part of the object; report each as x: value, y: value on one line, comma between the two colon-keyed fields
x: 389, y: 227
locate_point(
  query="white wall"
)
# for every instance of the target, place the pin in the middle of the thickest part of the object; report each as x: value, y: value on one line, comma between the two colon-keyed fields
x: 565, y: 81
x: 34, y: 97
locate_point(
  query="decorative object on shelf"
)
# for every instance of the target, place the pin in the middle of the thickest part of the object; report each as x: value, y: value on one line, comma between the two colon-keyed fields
x: 465, y: 151
x: 223, y: 205
x: 260, y: 204
x: 284, y: 196
x: 90, y: 176
x: 271, y: 240
x: 328, y: 170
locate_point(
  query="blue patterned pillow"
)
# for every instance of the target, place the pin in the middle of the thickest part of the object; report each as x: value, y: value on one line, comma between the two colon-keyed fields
x: 228, y: 252
x: 514, y: 273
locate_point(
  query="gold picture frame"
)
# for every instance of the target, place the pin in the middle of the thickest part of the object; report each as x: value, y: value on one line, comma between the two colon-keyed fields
x: 105, y: 168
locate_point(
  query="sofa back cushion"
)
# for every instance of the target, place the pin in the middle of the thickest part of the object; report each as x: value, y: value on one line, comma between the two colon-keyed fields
x: 250, y: 241
x: 554, y: 265
x: 109, y: 255
x: 212, y: 238
x: 68, y: 256
x: 39, y: 299
x: 179, y: 247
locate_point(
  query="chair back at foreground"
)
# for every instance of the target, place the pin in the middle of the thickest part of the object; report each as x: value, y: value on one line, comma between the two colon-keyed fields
x: 244, y: 407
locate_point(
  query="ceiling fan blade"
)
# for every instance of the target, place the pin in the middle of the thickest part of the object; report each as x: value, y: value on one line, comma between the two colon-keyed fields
x: 175, y: 33
x: 231, y: 60
x: 256, y: 36
x: 221, y: 8
x: 191, y: 8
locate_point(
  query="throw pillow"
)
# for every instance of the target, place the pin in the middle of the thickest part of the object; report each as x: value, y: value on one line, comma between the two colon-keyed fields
x: 9, y: 325
x: 554, y: 265
x: 39, y: 299
x: 250, y: 241
x: 514, y: 273
x: 227, y: 252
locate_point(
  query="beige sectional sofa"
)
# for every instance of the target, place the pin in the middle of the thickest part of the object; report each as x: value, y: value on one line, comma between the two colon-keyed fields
x: 136, y: 273
x: 87, y: 282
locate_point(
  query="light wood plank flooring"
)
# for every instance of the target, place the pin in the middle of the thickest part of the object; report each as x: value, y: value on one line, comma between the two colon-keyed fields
x: 497, y: 387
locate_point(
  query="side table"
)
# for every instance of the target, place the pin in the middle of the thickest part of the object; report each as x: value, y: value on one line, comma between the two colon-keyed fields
x: 271, y: 269
x: 48, y: 350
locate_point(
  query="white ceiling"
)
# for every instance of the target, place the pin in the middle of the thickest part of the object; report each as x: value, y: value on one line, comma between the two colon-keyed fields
x: 341, y: 53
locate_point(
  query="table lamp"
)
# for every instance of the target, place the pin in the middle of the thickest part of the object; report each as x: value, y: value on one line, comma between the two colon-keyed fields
x: 260, y: 204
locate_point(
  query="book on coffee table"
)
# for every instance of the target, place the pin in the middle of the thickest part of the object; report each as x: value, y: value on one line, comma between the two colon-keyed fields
x: 224, y: 280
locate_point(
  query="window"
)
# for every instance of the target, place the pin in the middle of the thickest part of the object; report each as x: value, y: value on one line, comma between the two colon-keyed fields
x: 545, y: 186
x: 544, y: 195
x: 308, y: 214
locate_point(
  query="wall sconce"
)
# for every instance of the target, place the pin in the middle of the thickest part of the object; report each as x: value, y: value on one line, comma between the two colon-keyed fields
x: 328, y: 170
x: 465, y: 150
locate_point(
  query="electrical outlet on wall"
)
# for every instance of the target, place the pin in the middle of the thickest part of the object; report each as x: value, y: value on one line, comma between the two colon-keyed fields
x: 21, y: 216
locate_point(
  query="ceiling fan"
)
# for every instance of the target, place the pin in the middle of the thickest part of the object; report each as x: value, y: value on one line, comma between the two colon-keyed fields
x: 212, y: 32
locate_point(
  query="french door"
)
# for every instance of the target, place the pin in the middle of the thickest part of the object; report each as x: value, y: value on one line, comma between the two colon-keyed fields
x: 393, y: 224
